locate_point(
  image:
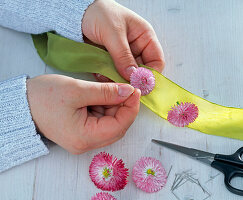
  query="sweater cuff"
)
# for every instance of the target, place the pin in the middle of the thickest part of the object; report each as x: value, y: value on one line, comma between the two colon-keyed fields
x: 19, y: 141
x: 68, y: 17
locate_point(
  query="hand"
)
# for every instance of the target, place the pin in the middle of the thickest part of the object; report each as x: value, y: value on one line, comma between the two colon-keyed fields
x: 129, y: 39
x: 81, y: 115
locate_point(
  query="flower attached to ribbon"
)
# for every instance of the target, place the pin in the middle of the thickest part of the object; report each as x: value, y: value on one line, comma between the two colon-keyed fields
x: 182, y: 114
x: 103, y: 196
x: 143, y: 79
x: 149, y: 175
x: 107, y: 172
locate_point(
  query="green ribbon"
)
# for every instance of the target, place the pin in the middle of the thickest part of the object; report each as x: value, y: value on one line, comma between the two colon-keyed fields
x: 70, y: 56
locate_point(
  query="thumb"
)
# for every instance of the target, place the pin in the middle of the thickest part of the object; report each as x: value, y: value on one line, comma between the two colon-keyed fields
x: 120, y: 51
x: 94, y: 93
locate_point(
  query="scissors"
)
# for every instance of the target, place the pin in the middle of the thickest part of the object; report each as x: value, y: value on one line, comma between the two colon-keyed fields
x: 230, y: 165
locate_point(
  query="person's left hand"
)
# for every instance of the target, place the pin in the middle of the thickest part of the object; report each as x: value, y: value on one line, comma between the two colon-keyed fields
x: 129, y: 39
x: 81, y: 115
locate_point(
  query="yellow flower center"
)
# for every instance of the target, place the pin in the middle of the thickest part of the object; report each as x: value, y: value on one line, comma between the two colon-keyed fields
x: 150, y: 171
x: 106, y: 172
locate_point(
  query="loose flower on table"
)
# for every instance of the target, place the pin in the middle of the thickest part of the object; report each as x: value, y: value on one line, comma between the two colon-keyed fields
x: 108, y: 173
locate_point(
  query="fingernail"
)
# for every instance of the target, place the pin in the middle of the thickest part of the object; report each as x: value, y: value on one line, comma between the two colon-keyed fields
x: 130, y: 70
x: 138, y: 91
x: 125, y: 90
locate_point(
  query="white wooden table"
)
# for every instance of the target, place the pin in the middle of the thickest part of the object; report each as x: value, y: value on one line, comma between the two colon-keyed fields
x: 203, y: 45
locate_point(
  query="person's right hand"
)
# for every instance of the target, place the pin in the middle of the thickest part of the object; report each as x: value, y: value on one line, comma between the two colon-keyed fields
x: 129, y: 38
x: 80, y: 115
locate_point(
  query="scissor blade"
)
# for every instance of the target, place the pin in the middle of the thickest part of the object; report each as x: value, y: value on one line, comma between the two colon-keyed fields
x: 202, y: 156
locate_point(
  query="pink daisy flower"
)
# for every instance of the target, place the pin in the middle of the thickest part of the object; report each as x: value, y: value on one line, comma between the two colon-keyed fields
x: 107, y: 172
x: 143, y: 79
x: 103, y: 196
x: 182, y: 114
x: 149, y: 175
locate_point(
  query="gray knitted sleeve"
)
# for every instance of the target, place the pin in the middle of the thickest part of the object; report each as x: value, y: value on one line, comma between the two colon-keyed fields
x: 19, y: 141
x: 38, y: 16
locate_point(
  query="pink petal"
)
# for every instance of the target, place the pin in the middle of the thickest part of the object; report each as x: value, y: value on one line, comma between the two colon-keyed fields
x: 143, y: 79
x: 103, y: 196
x: 149, y: 182
x: 107, y: 172
x: 183, y: 114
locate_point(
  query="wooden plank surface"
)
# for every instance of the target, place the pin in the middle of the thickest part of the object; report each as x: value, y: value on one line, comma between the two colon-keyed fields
x: 203, y: 45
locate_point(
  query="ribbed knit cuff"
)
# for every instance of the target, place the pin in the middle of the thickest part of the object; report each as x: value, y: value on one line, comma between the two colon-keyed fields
x: 19, y: 141
x: 68, y: 17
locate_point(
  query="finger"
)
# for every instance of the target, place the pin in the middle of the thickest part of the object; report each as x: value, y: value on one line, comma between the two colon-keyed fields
x: 148, y: 47
x: 99, y: 109
x: 130, y: 108
x: 119, y: 49
x: 153, y: 57
x: 112, y: 111
x: 96, y: 111
x: 108, y: 142
x: 93, y: 93
x: 109, y: 128
x: 95, y: 114
x: 103, y: 111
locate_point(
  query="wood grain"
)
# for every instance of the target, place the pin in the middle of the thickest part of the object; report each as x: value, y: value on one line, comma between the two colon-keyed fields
x: 203, y: 46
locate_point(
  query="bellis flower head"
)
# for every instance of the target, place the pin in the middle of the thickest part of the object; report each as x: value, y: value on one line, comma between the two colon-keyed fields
x: 103, y: 196
x: 108, y: 173
x: 143, y: 79
x: 149, y: 175
x: 182, y: 114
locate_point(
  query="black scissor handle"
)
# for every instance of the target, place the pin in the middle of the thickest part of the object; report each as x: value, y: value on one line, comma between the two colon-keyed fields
x: 230, y: 171
x: 231, y: 166
x: 234, y: 158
